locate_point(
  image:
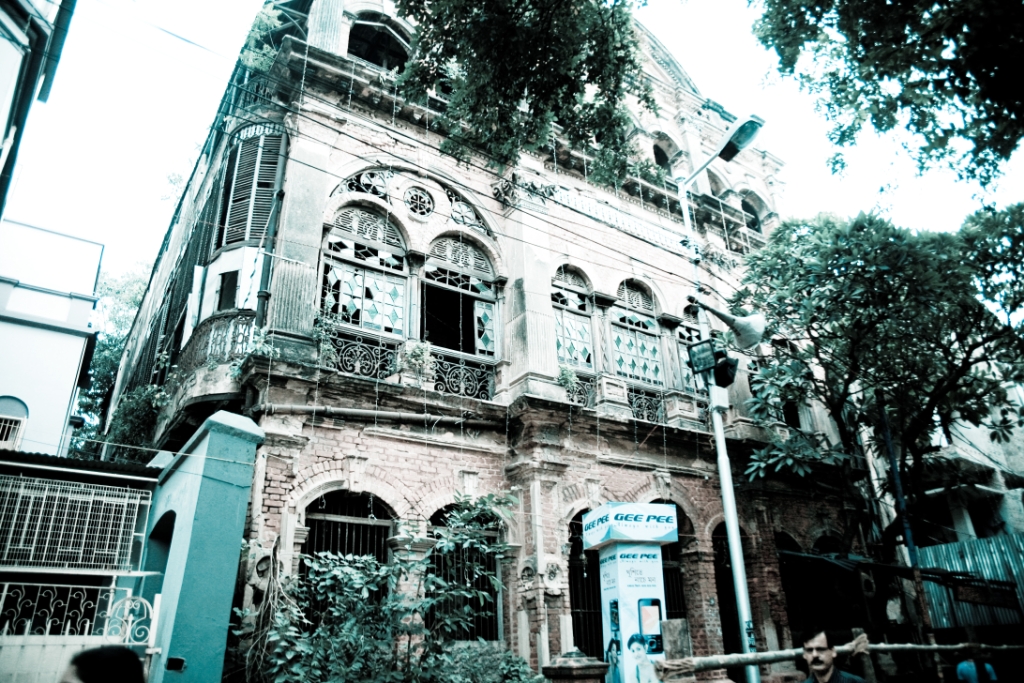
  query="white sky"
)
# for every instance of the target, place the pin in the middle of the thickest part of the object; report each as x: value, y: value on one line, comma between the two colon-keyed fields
x: 131, y: 105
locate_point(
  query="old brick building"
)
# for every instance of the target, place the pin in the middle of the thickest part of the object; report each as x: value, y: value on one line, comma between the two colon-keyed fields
x: 321, y: 184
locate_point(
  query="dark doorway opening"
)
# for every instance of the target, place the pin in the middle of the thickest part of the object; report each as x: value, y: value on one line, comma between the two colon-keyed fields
x: 585, y: 593
x: 449, y: 320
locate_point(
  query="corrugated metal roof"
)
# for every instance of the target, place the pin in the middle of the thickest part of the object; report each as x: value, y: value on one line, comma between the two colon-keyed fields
x: 1000, y: 558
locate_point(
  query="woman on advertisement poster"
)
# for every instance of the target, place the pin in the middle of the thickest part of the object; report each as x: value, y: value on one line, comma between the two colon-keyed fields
x: 611, y: 656
x: 640, y: 669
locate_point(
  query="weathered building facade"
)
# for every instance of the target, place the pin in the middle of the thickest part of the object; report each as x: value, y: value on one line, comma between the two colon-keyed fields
x: 323, y: 243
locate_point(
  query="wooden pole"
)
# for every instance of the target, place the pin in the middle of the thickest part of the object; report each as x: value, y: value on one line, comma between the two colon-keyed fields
x: 680, y: 669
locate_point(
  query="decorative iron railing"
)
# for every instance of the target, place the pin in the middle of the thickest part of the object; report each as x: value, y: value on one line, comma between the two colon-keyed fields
x: 69, y: 525
x: 255, y: 91
x: 219, y: 339
x: 357, y: 355
x: 646, y: 405
x: 455, y: 374
x: 583, y: 392
x: 32, y: 609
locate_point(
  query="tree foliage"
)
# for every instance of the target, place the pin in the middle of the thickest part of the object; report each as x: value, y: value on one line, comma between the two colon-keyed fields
x: 514, y: 68
x: 869, y: 310
x: 943, y: 70
x: 350, y: 618
x: 119, y: 300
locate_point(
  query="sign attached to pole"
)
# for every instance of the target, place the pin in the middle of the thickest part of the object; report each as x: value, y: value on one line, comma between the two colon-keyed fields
x: 630, y: 536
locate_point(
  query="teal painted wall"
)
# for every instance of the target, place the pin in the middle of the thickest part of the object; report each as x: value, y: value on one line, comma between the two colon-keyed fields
x: 206, y: 486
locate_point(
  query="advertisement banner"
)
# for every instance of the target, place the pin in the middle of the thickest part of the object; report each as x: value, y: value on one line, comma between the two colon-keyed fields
x: 650, y: 522
x: 632, y: 603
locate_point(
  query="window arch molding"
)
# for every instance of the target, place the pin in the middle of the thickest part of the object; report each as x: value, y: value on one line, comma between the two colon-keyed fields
x: 473, y: 219
x: 377, y: 38
x: 369, y: 203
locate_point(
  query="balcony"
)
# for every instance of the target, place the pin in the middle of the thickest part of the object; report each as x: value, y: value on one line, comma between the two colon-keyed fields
x: 461, y: 375
x: 220, y: 339
x: 354, y: 354
x: 646, y: 405
x: 713, y: 215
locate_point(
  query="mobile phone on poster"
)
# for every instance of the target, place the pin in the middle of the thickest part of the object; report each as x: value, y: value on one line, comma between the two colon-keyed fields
x: 650, y: 624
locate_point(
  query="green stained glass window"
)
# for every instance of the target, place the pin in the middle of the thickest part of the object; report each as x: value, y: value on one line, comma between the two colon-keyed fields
x: 364, y: 298
x: 485, y: 340
x: 573, y: 342
x: 637, y: 355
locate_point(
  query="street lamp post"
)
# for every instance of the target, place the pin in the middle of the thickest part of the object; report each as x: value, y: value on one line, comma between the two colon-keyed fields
x: 748, y: 334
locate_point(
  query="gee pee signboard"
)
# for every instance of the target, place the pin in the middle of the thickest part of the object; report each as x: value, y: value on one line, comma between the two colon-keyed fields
x: 629, y: 537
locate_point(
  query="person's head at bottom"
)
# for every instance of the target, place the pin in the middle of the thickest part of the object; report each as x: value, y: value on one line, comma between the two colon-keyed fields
x: 109, y: 664
x: 638, y: 646
x: 819, y: 653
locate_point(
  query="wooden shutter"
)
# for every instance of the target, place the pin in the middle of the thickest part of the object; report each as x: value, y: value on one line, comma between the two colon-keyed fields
x: 263, y: 193
x: 240, y: 202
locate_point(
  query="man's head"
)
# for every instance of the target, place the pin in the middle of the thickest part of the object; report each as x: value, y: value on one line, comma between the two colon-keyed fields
x: 819, y: 653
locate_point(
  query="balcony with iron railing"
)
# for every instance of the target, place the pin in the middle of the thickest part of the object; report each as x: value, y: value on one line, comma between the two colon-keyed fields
x: 450, y: 372
x: 218, y: 340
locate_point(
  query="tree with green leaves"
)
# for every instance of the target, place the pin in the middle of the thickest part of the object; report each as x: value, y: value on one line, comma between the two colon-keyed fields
x: 349, y: 618
x: 943, y: 70
x: 516, y: 72
x: 863, y: 311
x: 119, y: 300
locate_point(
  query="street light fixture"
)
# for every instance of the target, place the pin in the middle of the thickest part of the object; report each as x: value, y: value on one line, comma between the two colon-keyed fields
x: 735, y: 140
x: 748, y: 334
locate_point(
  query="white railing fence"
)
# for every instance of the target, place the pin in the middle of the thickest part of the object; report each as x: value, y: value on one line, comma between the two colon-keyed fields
x: 70, y: 525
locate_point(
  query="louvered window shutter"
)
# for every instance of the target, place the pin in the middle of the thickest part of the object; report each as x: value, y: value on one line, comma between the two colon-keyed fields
x: 240, y: 202
x: 251, y: 170
x: 263, y: 193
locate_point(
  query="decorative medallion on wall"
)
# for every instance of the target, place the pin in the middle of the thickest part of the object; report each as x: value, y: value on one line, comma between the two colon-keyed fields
x: 419, y: 201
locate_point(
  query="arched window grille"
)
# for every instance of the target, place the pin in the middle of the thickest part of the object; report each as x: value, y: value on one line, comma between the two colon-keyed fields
x: 460, y: 568
x: 248, y: 192
x: 347, y: 523
x: 459, y: 300
x: 574, y: 343
x: 636, y: 350
x: 364, y: 272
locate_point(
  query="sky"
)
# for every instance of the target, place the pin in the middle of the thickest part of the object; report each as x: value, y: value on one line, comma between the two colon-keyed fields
x: 131, y: 105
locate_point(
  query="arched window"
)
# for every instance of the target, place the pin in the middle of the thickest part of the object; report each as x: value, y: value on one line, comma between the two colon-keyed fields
x: 460, y: 568
x: 364, y: 272
x: 661, y: 158
x: 573, y: 341
x: 13, y: 416
x: 348, y: 523
x: 459, y: 298
x: 248, y: 192
x: 376, y: 39
x: 636, y: 350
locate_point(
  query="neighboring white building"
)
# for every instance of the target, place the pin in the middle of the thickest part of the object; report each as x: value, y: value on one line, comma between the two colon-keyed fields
x: 47, y: 294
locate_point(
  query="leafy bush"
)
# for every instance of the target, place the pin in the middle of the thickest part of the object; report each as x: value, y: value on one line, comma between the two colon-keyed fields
x: 352, y: 618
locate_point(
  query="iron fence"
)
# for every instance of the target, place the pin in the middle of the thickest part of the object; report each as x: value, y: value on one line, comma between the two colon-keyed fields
x: 34, y: 609
x: 455, y: 374
x: 70, y: 525
x: 646, y: 405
